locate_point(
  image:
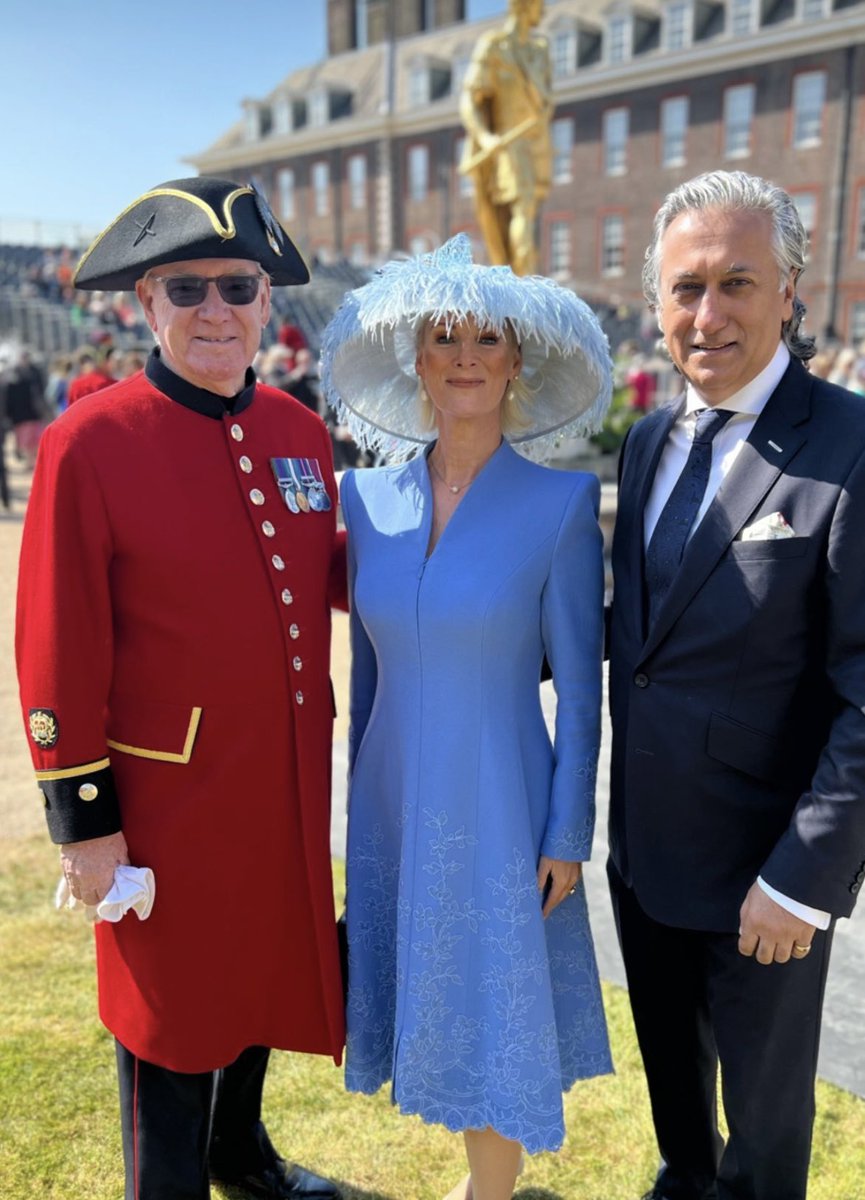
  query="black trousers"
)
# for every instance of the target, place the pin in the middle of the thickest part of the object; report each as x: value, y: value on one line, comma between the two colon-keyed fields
x: 697, y: 1001
x: 174, y: 1123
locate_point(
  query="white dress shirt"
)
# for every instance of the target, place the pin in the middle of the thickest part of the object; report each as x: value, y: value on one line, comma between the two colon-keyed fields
x: 747, y: 404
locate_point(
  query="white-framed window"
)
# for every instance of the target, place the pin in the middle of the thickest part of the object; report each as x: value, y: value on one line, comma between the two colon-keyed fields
x: 465, y: 187
x: 560, y: 247
x: 616, y: 123
x: 285, y: 189
x: 812, y: 10
x: 563, y: 52
x: 613, y: 244
x: 319, y: 107
x: 857, y: 322
x: 321, y: 188
x: 418, y: 172
x: 741, y: 17
x: 282, y: 115
x: 674, y: 130
x: 357, y: 181
x: 677, y: 24
x: 618, y: 39
x: 459, y: 69
x: 806, y: 206
x: 361, y: 24
x: 738, y: 119
x: 418, y: 85
x: 562, y: 134
x: 809, y: 98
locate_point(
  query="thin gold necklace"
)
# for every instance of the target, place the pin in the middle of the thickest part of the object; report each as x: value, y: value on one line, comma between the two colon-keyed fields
x: 456, y: 488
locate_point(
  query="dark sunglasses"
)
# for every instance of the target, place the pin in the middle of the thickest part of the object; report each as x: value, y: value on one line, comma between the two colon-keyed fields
x: 186, y: 291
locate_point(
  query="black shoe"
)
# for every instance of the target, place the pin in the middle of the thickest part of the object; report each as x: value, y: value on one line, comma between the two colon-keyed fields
x: 279, y: 1180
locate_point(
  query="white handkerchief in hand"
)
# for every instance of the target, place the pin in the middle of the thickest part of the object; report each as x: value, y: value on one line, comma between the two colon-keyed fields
x: 133, y: 888
x: 768, y: 528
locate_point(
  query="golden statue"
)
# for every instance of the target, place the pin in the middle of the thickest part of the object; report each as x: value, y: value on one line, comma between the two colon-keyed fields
x: 505, y: 107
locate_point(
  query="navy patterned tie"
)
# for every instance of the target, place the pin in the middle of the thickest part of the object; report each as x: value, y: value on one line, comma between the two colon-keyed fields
x: 670, y: 536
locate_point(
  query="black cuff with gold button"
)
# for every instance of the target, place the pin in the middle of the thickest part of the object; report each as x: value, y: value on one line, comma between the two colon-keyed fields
x: 80, y: 803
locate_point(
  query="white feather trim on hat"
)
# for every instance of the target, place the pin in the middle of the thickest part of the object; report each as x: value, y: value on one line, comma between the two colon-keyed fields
x: 369, y: 350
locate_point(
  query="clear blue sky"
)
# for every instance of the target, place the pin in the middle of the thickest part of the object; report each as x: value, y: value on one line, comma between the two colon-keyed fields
x: 101, y: 99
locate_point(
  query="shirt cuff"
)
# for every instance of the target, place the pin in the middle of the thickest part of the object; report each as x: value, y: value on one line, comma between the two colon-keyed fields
x: 813, y: 916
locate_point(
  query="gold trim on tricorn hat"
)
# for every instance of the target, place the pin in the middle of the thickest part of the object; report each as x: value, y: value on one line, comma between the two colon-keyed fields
x: 184, y: 219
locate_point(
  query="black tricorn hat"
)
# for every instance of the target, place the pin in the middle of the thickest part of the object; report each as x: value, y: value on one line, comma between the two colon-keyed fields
x: 201, y: 217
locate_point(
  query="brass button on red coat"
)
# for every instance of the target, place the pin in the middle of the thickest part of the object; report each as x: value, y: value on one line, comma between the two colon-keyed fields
x: 268, y: 529
x: 293, y: 632
x: 299, y: 697
x: 256, y: 496
x: 245, y: 464
x: 287, y: 597
x: 237, y: 433
x: 278, y: 563
x: 297, y: 663
x: 88, y: 791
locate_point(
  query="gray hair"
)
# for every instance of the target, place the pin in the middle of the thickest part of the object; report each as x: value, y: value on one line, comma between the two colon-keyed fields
x: 737, y: 190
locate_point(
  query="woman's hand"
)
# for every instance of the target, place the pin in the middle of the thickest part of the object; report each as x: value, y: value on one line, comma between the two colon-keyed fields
x: 562, y: 878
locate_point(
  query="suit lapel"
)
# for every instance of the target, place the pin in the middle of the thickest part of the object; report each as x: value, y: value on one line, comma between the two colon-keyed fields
x: 643, y: 450
x: 774, y: 440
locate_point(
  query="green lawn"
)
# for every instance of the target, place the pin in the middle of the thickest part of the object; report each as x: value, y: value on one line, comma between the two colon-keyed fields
x: 59, y: 1133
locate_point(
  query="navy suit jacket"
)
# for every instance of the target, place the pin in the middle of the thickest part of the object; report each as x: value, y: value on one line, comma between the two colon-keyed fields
x: 739, y: 716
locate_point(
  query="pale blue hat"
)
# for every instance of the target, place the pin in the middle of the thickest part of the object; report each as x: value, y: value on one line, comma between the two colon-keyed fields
x: 369, y: 349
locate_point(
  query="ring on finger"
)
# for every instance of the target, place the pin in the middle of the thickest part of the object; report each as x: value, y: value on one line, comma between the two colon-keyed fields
x: 800, y: 951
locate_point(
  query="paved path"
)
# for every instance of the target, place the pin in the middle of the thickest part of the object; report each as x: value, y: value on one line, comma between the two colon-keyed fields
x: 842, y: 1057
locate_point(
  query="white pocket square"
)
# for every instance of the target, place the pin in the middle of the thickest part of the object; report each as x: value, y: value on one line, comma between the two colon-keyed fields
x: 768, y: 528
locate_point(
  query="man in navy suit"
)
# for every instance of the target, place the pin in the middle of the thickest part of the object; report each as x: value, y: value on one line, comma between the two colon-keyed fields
x: 737, y: 684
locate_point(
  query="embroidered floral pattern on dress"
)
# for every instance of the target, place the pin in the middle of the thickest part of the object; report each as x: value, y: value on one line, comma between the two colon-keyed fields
x: 459, y: 1071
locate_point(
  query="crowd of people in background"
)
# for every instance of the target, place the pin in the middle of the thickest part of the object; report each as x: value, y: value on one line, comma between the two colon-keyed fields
x: 33, y: 391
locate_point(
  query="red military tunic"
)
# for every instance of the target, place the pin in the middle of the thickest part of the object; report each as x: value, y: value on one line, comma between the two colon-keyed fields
x: 173, y: 648
x: 85, y: 385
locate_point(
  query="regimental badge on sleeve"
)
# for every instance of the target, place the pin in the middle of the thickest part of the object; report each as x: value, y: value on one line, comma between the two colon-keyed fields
x: 302, y: 485
x: 43, y: 727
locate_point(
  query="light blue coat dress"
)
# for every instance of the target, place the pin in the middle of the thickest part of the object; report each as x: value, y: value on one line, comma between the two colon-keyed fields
x: 480, y: 1011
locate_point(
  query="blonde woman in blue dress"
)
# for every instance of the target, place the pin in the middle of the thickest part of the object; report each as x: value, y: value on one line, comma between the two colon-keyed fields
x: 473, y: 985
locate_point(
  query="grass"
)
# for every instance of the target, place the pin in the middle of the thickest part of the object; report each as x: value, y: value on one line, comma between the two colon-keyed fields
x: 59, y: 1133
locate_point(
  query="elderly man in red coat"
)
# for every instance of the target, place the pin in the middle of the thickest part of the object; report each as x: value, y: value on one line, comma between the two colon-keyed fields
x: 179, y: 562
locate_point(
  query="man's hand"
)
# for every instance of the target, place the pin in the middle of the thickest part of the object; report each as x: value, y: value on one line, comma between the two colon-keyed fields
x: 770, y: 931
x: 563, y: 877
x: 89, y: 866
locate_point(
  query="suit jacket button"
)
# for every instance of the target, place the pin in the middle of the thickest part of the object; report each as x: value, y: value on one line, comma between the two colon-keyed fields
x: 854, y: 888
x: 641, y: 680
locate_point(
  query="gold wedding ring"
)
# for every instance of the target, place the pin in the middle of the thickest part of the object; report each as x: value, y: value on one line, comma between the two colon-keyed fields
x: 800, y: 951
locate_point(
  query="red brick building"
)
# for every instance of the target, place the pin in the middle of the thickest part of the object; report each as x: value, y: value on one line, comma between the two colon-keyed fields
x: 358, y: 153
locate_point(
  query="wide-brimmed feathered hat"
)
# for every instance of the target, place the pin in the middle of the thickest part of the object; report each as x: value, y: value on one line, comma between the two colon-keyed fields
x: 184, y: 219
x: 369, y: 350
